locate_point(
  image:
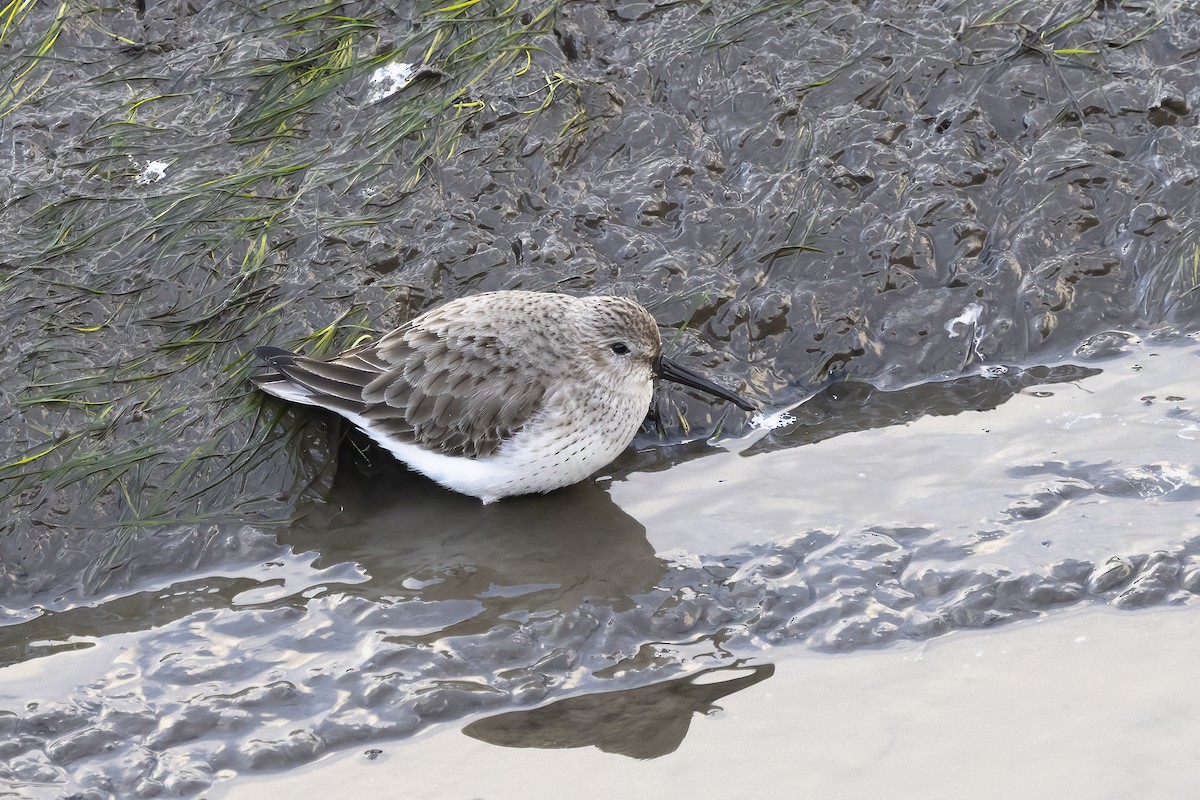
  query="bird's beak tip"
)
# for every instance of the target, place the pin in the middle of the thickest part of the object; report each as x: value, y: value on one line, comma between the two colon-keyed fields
x: 668, y: 370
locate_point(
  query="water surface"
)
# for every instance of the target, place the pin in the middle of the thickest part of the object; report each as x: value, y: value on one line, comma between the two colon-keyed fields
x: 404, y: 608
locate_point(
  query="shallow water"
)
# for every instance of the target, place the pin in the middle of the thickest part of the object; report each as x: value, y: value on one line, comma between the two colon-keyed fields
x: 1087, y: 704
x: 1024, y: 710
x: 910, y: 214
x: 405, y: 607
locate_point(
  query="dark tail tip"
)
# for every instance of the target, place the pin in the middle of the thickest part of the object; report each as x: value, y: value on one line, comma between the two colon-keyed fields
x: 275, y: 356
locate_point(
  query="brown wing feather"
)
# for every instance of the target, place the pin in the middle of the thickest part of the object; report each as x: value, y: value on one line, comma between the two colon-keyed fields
x: 446, y: 386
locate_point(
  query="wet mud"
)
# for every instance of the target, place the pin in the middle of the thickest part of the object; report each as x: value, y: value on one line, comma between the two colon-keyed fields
x: 890, y: 193
x: 966, y: 237
x: 402, y: 606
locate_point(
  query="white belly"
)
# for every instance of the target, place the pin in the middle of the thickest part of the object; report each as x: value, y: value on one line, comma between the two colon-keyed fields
x: 562, y: 446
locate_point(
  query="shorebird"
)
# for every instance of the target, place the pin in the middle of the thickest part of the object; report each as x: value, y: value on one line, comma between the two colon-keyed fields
x: 497, y: 394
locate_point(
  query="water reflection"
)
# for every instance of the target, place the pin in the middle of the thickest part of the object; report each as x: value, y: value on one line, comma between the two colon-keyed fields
x: 524, y: 558
x: 646, y: 722
x: 849, y: 406
x: 398, y: 605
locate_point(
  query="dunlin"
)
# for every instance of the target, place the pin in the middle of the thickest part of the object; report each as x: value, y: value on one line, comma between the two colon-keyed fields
x: 497, y: 394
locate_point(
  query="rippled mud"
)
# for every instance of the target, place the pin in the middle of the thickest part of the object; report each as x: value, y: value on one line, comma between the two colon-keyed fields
x: 1108, y: 693
x: 908, y: 194
x: 957, y: 245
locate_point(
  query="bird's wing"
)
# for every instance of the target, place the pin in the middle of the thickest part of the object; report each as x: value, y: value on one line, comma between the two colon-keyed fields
x: 455, y: 392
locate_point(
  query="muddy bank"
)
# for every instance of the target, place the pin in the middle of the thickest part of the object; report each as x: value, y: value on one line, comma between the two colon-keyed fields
x: 889, y: 192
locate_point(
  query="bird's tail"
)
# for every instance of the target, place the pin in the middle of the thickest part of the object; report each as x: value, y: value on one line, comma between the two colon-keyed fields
x: 336, y: 384
x: 277, y: 382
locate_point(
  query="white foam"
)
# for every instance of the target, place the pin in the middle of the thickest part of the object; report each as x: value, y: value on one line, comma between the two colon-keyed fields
x: 389, y: 79
x: 153, y: 172
x: 770, y: 422
x: 969, y: 317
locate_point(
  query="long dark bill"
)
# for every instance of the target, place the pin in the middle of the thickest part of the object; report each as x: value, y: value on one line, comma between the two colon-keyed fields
x: 670, y: 371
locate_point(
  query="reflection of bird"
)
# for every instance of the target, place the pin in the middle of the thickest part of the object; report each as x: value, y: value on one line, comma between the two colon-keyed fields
x: 497, y: 394
x: 646, y: 722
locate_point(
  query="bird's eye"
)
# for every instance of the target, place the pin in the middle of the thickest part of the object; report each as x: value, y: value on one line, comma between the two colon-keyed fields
x: 620, y: 348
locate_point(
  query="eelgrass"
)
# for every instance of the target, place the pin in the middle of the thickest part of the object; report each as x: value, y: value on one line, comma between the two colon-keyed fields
x: 138, y: 294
